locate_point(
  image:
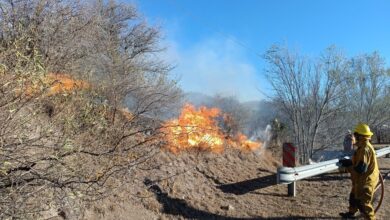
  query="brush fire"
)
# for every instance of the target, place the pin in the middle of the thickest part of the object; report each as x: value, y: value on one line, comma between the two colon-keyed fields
x: 198, y: 129
x: 204, y: 129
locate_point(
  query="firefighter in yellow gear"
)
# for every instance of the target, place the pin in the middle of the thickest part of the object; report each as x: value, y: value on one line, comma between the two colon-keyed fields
x: 364, y: 174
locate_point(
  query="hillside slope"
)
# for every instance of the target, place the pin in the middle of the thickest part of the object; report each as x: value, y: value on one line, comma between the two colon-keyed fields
x: 236, y: 185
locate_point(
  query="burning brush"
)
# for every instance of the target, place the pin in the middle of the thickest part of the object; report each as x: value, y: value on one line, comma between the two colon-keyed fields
x: 198, y: 129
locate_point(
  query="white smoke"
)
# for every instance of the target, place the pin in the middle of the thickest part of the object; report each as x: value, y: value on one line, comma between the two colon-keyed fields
x: 263, y: 136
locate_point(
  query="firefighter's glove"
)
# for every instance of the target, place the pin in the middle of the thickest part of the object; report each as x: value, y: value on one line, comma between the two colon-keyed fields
x: 345, y: 162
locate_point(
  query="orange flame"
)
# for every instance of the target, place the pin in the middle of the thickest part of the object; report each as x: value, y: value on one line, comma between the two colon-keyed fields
x: 58, y: 83
x: 245, y: 144
x: 61, y: 83
x: 194, y: 129
x: 198, y: 129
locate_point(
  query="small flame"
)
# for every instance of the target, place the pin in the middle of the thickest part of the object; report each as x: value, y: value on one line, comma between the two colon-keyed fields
x: 246, y: 144
x: 198, y: 129
x: 57, y: 83
x: 61, y: 83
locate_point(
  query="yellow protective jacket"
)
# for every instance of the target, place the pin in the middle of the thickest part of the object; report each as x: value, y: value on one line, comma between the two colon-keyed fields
x: 364, y: 171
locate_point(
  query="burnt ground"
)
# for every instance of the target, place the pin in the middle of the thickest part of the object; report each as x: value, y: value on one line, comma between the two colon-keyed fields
x: 232, y: 185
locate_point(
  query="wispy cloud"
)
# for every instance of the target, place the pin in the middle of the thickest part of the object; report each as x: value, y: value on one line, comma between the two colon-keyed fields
x: 215, y: 66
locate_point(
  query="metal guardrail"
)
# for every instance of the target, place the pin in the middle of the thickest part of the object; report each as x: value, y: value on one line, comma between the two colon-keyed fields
x: 287, y: 175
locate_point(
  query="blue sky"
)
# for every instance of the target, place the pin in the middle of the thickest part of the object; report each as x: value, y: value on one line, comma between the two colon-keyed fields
x: 216, y: 45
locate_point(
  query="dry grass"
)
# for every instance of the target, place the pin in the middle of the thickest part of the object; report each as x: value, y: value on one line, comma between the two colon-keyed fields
x: 235, y: 185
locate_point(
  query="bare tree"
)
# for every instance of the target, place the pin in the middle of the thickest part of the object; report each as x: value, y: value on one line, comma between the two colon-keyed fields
x: 368, y: 94
x: 309, y: 93
x: 124, y: 61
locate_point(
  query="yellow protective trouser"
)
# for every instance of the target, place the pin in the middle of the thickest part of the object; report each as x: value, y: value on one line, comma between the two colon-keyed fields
x: 363, y: 203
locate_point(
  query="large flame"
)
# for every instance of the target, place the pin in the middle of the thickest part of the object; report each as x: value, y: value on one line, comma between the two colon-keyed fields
x: 194, y: 129
x: 198, y: 129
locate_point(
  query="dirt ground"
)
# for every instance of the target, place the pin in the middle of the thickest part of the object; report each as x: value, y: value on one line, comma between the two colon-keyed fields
x: 231, y: 185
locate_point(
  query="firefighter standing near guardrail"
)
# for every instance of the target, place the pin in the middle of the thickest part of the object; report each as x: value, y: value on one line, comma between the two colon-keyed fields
x: 364, y: 174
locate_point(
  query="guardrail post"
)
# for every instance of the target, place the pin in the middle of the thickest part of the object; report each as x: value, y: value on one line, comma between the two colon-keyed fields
x: 289, y: 160
x: 291, y: 189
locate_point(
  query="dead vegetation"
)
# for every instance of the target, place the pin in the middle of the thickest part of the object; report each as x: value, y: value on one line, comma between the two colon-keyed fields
x: 65, y: 138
